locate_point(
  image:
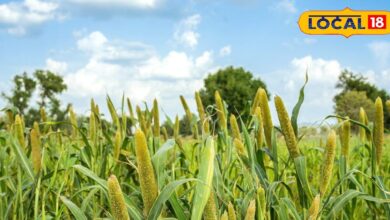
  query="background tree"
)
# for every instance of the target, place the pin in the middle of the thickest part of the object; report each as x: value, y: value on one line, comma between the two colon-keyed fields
x: 350, y: 102
x: 48, y: 85
x: 349, y: 81
x: 184, y: 125
x: 185, y: 128
x: 236, y: 86
x: 20, y: 96
x: 168, y: 124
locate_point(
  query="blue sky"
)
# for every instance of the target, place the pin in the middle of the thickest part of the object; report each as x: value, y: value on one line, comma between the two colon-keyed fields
x: 161, y: 48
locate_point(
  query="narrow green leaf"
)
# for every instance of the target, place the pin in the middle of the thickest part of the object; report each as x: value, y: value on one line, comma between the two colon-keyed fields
x: 205, y: 176
x: 165, y: 194
x: 89, y: 197
x: 92, y: 175
x: 24, y: 162
x: 177, y: 207
x: 385, y: 194
x: 300, y: 167
x: 135, y: 213
x: 341, y: 200
x: 297, y: 107
x: 291, y: 208
x: 169, y: 144
x: 76, y: 211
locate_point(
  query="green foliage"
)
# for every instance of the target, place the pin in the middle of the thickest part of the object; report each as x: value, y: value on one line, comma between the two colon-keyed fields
x: 20, y: 96
x: 349, y: 81
x: 185, y: 128
x: 349, y: 103
x: 48, y: 85
x: 236, y: 86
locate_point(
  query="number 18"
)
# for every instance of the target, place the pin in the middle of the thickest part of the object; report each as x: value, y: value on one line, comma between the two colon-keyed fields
x: 377, y: 22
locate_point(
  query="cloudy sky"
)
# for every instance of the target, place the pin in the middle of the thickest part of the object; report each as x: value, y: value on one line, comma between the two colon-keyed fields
x: 164, y: 48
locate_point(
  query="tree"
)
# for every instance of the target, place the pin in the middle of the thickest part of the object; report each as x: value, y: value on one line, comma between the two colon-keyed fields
x: 349, y: 103
x: 20, y: 96
x: 49, y: 86
x: 349, y: 81
x: 185, y: 127
x: 236, y: 86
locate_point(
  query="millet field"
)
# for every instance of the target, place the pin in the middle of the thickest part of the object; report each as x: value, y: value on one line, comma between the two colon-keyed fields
x: 128, y: 166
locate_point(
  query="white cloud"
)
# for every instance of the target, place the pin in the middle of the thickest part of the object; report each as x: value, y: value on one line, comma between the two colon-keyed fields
x: 380, y: 79
x: 92, y: 43
x: 8, y: 14
x: 131, y: 4
x: 321, y: 71
x: 98, y: 46
x: 225, y: 51
x: 186, y: 31
x: 191, y: 22
x: 384, y: 80
x: 40, y: 6
x: 138, y: 72
x: 205, y: 60
x: 371, y: 77
x: 105, y: 9
x: 18, y: 17
x: 177, y: 65
x: 321, y: 88
x: 319, y: 92
x: 95, y: 78
x: 56, y: 66
x: 381, y: 51
x: 286, y: 6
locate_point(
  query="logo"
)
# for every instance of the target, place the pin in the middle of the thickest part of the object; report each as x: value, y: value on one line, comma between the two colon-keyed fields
x: 345, y: 22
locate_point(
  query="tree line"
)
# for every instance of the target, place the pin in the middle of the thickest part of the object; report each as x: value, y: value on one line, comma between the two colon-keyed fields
x: 41, y: 90
x: 42, y: 86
